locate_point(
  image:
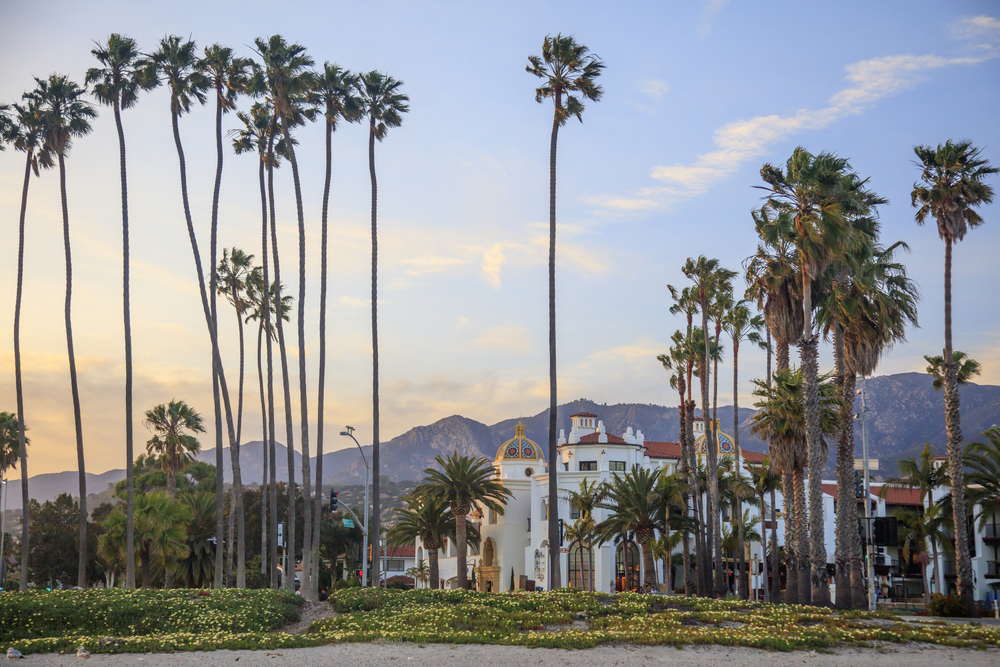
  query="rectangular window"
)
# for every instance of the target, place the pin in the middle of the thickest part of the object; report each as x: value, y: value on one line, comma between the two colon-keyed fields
x: 616, y: 465
x: 529, y: 524
x: 588, y: 465
x: 574, y: 513
x: 493, y: 517
x: 394, y: 565
x: 545, y: 510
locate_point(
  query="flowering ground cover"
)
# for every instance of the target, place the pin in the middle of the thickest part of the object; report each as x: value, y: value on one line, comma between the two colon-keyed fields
x: 575, y: 619
x: 120, y: 621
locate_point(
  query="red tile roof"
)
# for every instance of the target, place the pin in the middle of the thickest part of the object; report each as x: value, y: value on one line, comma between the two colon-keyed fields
x: 591, y: 439
x: 898, y: 496
x: 663, y: 450
x: 582, y: 414
x: 751, y: 456
x: 408, y: 551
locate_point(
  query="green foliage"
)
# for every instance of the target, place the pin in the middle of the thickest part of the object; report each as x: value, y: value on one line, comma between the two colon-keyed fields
x: 948, y: 606
x: 117, y: 612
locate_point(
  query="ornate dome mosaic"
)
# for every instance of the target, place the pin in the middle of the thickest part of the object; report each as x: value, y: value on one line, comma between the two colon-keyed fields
x: 520, y: 448
x: 725, y: 444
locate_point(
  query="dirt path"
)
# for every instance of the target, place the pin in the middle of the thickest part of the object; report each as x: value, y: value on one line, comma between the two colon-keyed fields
x: 379, y: 653
x: 309, y: 612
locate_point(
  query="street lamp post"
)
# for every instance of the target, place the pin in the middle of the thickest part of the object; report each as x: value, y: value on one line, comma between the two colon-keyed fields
x: 868, y: 503
x: 349, y: 432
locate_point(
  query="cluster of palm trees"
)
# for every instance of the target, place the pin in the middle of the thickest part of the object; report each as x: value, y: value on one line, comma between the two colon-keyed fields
x: 290, y: 91
x: 820, y: 269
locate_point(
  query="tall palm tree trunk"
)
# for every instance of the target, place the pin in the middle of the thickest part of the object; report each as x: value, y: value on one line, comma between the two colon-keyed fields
x: 236, y: 517
x: 321, y: 390
x: 289, y: 435
x: 127, y: 315
x: 376, y: 490
x: 934, y: 546
x: 810, y: 373
x: 775, y: 561
x: 273, y: 529
x: 802, y: 525
x: 683, y: 469
x: 791, y: 539
x: 461, y: 549
x: 206, y: 308
x: 220, y: 480
x: 845, y: 480
x: 263, y: 429
x: 953, y: 425
x: 303, y: 397
x: 21, y: 441
x: 649, y: 579
x: 743, y: 590
x: 859, y: 595
x: 715, y: 582
x: 432, y: 557
x: 701, y: 558
x: 763, y: 540
x: 555, y: 576
x: 77, y: 416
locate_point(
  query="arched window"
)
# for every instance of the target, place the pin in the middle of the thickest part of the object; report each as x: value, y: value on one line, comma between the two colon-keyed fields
x: 627, y: 567
x: 581, y: 567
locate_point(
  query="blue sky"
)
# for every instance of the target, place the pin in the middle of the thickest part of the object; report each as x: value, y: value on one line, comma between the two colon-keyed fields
x: 697, y: 97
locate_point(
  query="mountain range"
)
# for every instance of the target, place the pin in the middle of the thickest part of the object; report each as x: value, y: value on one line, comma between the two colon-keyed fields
x: 904, y: 412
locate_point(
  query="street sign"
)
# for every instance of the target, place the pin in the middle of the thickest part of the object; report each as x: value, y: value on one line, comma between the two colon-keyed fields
x: 348, y: 523
x: 859, y: 464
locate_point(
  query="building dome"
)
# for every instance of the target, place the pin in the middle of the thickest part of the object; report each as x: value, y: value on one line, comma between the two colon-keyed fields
x: 726, y: 447
x: 519, y: 448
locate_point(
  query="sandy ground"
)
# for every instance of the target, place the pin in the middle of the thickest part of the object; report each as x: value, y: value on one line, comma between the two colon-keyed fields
x: 361, y: 655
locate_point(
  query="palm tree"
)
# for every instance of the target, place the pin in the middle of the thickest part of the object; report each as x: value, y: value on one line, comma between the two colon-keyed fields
x: 289, y: 84
x: 176, y: 62
x: 462, y: 482
x: 420, y: 572
x: 766, y: 480
x: 160, y: 531
x: 780, y: 420
x: 741, y: 325
x: 709, y: 278
x: 565, y: 68
x: 231, y: 282
x: 670, y: 492
x: 983, y: 458
x: 674, y: 363
x: 117, y: 84
x: 428, y: 518
x: 924, y: 476
x: 26, y: 132
x: 582, y: 502
x: 582, y: 533
x: 170, y: 442
x: 746, y: 525
x: 916, y: 530
x: 227, y: 75
x: 9, y: 442
x: 66, y: 115
x: 384, y: 105
x: 952, y: 186
x: 335, y: 88
x: 968, y: 368
x: 258, y: 135
x: 197, y: 569
x: 634, y: 507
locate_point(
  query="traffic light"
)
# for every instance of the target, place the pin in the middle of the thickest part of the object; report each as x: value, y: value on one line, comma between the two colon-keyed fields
x: 333, y: 501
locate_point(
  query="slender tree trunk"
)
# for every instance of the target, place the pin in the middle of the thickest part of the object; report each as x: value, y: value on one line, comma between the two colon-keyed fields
x: 817, y: 462
x: 859, y: 596
x: 934, y: 546
x: 743, y: 585
x: 802, y: 524
x: 206, y: 308
x: 22, y: 443
x: 683, y: 471
x: 147, y: 580
x: 953, y: 424
x: 220, y: 479
x: 775, y: 561
x: 171, y: 479
x: 289, y: 434
x: 236, y: 505
x: 303, y: 396
x: 127, y: 312
x: 376, y: 521
x: 763, y: 542
x: 791, y: 540
x: 273, y: 305
x: 555, y: 576
x: 845, y: 480
x: 701, y: 558
x: 263, y: 429
x: 77, y: 416
x: 461, y: 548
x: 714, y: 541
x: 321, y: 390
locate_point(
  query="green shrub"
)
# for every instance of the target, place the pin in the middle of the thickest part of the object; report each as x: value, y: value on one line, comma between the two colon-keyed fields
x: 948, y: 606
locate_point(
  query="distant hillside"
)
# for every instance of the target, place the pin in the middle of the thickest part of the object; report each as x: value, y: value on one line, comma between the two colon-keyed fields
x: 904, y: 412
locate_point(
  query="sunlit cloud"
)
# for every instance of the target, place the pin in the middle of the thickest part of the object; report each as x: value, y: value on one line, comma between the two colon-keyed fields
x: 654, y: 88
x: 493, y: 259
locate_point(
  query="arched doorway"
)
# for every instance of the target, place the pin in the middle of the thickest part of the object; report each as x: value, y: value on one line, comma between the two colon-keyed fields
x: 581, y: 567
x: 627, y: 577
x: 488, y: 572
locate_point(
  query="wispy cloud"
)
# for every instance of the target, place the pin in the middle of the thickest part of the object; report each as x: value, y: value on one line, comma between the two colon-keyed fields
x: 741, y: 141
x: 710, y: 9
x: 493, y: 259
x: 654, y: 88
x: 430, y: 264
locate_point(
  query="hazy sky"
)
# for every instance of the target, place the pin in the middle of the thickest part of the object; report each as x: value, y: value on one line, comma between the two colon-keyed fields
x: 697, y: 97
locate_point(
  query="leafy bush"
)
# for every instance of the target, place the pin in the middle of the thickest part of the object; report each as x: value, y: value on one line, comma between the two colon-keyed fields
x: 123, y: 613
x: 949, y: 606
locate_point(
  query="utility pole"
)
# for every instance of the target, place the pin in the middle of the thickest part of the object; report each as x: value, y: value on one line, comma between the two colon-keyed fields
x: 868, y: 503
